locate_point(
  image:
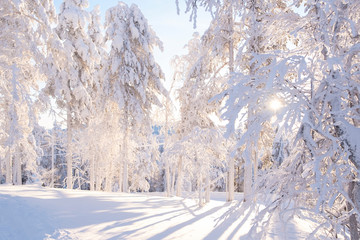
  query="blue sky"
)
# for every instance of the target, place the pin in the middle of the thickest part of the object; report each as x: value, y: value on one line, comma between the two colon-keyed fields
x: 173, y: 30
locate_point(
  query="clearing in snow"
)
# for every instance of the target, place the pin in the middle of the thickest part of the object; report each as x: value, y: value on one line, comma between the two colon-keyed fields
x: 34, y: 212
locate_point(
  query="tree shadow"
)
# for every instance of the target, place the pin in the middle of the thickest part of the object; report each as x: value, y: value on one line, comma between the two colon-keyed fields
x: 226, y: 220
x: 110, y: 215
x: 177, y: 227
x: 36, y: 218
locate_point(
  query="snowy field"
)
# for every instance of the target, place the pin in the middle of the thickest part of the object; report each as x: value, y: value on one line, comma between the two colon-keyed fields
x: 33, y: 212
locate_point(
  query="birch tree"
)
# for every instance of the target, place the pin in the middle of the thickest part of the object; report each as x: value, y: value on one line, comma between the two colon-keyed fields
x: 202, y: 81
x: 221, y: 42
x: 330, y: 122
x: 313, y: 80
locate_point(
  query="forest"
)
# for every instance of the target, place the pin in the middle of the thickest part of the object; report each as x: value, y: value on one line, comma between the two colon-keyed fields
x: 266, y: 102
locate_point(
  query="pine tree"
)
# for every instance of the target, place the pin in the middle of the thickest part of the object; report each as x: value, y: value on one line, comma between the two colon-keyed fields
x: 72, y: 84
x: 133, y: 76
x: 25, y: 31
x: 95, y: 31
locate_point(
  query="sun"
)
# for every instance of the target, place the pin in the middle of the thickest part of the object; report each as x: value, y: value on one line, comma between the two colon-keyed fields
x: 275, y: 104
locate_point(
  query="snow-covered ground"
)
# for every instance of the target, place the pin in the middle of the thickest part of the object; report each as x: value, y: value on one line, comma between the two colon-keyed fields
x: 33, y: 212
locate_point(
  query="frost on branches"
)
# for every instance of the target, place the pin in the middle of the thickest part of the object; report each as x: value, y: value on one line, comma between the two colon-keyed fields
x: 202, y: 145
x: 309, y: 62
x: 316, y: 79
x: 269, y: 93
x: 133, y: 77
x: 25, y: 27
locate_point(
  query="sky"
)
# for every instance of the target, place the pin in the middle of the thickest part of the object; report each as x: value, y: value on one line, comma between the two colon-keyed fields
x: 173, y: 30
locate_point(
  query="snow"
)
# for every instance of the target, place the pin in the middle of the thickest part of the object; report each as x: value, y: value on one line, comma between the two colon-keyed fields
x: 34, y: 212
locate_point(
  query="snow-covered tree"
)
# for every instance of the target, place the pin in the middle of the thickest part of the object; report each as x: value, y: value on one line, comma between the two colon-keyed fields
x: 201, y: 81
x: 165, y: 117
x: 145, y: 157
x: 222, y: 41
x: 95, y: 31
x: 23, y: 47
x: 98, y: 117
x: 72, y: 84
x: 239, y: 36
x: 51, y: 164
x: 133, y: 76
x: 329, y: 123
x: 309, y: 71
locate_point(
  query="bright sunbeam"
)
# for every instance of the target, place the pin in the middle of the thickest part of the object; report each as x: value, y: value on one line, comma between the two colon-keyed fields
x: 275, y: 104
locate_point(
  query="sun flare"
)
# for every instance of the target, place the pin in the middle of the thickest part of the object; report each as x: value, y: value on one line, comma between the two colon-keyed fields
x: 275, y: 104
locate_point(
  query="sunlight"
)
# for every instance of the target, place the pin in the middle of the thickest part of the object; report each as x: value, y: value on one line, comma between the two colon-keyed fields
x: 275, y: 104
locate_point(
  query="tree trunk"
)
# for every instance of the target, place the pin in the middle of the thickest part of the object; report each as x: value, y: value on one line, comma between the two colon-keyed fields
x: 179, y: 178
x: 109, y: 175
x: 17, y: 169
x: 53, y: 141
x: 69, y: 149
x: 8, y: 166
x: 98, y: 173
x: 125, y: 187
x: 125, y: 177
x: 121, y: 177
x: 201, y: 202
x: 342, y: 128
x: 230, y: 195
x: 354, y: 234
x: 172, y: 178
x: 167, y: 178
x: 92, y: 172
x: 167, y: 167
x: 248, y: 177
x: 207, y: 189
x: 255, y: 175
